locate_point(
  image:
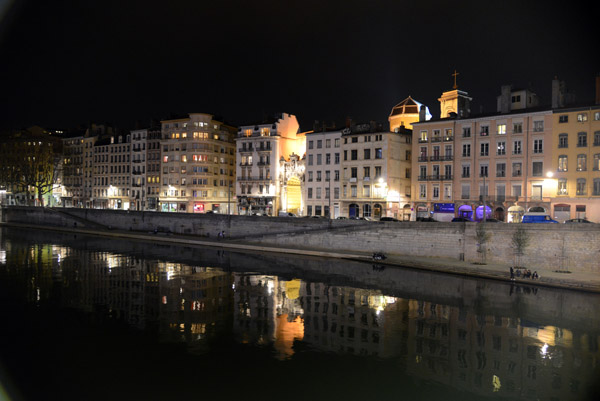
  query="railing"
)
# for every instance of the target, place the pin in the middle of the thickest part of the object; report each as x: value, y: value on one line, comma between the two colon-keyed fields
x: 254, y: 179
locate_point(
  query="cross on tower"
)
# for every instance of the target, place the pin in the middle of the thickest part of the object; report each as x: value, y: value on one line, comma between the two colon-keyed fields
x: 455, y: 75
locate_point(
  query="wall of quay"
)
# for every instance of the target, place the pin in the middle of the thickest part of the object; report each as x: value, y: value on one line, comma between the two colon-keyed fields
x: 572, y: 247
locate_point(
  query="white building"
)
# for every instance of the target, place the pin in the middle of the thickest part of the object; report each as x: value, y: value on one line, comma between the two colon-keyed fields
x: 322, y: 175
x: 138, y: 169
x: 260, y: 149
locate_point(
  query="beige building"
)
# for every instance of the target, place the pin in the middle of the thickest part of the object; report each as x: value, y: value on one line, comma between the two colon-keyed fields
x: 197, y: 166
x: 269, y: 176
x: 375, y: 172
x: 502, y: 159
x: 576, y: 163
x: 112, y: 172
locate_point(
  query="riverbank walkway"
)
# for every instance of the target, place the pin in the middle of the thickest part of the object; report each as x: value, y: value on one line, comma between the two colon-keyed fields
x: 581, y: 281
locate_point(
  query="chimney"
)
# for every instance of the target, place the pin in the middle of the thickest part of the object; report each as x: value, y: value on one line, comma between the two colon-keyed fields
x: 556, y: 103
x: 422, y: 113
x: 348, y: 122
x: 505, y: 91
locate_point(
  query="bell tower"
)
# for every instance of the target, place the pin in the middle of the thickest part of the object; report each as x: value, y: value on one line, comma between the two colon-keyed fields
x: 455, y: 102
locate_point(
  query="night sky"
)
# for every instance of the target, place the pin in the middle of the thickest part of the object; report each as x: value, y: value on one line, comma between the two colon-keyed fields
x: 64, y: 63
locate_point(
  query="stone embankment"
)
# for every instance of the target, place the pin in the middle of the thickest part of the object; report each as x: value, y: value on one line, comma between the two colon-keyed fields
x: 564, y: 255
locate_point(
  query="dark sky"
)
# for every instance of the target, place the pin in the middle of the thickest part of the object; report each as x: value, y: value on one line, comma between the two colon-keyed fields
x: 64, y: 63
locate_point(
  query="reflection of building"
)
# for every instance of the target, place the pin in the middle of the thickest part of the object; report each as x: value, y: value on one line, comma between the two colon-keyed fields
x: 322, y: 176
x: 576, y: 163
x: 267, y: 310
x: 196, y: 302
x: 485, y: 354
x: 500, y: 158
x: 354, y: 321
x: 260, y: 148
x: 198, y: 158
x: 375, y: 172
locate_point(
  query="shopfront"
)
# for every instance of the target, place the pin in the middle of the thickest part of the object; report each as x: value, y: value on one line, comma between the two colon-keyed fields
x: 443, y: 211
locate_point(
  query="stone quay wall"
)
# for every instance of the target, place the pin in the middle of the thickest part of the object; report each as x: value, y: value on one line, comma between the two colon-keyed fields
x: 572, y: 247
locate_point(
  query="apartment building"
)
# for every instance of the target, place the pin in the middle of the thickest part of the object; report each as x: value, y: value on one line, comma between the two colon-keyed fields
x: 73, y: 194
x: 502, y: 159
x: 198, y: 157
x: 322, y: 175
x: 138, y: 168
x: 112, y: 172
x: 265, y: 184
x: 375, y: 172
x: 153, y: 161
x: 576, y: 163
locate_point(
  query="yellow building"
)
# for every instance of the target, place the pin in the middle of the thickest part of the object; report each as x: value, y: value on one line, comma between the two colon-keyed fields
x: 576, y: 163
x: 198, y: 172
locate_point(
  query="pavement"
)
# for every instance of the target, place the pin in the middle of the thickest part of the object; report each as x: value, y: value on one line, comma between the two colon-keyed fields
x: 580, y: 281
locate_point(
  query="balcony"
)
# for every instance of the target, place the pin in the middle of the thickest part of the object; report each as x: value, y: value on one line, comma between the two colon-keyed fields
x: 448, y: 138
x: 423, y: 158
x: 436, y: 139
x: 254, y: 178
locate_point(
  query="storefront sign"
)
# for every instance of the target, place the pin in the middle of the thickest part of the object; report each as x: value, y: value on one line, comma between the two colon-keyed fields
x: 443, y: 207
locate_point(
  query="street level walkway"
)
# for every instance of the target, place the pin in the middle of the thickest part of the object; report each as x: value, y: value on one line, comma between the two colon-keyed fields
x: 581, y: 281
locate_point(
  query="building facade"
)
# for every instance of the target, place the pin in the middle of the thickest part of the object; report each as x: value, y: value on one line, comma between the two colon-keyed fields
x: 322, y: 175
x: 112, y: 172
x: 502, y: 160
x: 153, y: 162
x: 375, y: 172
x: 138, y: 169
x: 198, y: 157
x: 576, y: 163
x: 262, y: 186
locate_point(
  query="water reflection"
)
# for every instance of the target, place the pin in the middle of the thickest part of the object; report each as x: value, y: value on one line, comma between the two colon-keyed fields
x: 464, y: 347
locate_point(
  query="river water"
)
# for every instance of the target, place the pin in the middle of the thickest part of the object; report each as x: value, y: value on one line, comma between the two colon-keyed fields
x: 90, y: 318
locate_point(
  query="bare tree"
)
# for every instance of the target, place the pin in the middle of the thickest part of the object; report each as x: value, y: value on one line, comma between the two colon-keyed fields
x: 29, y: 166
x: 520, y: 241
x: 482, y: 236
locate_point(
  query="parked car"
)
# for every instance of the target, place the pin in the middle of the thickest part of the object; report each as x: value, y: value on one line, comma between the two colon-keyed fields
x: 388, y: 219
x: 577, y: 221
x: 286, y: 214
x: 492, y: 221
x: 460, y: 219
x: 341, y: 218
x: 537, y: 218
x: 428, y: 219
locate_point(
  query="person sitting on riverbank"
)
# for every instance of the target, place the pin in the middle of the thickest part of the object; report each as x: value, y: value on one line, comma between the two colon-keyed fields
x: 535, y: 276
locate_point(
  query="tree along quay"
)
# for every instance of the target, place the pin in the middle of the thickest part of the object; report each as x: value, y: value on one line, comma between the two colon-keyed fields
x: 570, y: 248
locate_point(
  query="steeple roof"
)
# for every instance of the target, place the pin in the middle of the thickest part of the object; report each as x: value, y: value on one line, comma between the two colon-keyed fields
x: 407, y: 106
